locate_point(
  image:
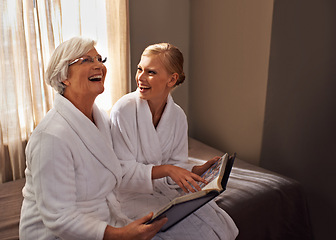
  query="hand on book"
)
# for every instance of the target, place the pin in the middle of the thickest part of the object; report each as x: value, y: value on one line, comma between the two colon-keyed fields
x: 185, y: 179
x: 200, y: 169
x: 136, y: 230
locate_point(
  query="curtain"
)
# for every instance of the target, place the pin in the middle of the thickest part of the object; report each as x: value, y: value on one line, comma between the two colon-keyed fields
x: 118, y: 34
x: 29, y: 32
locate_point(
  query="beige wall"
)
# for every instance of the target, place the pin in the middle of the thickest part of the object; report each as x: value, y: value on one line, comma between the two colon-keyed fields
x: 226, y: 47
x: 229, y: 53
x: 153, y: 21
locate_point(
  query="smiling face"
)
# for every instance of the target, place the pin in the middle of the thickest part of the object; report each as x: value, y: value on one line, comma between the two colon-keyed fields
x: 86, y: 78
x: 153, y: 80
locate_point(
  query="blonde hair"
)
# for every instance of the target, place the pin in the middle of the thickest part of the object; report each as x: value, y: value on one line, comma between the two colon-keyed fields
x: 57, y: 70
x: 171, y: 57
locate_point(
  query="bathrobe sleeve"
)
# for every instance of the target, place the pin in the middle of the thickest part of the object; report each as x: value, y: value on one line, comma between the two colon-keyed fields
x: 136, y: 176
x: 53, y: 172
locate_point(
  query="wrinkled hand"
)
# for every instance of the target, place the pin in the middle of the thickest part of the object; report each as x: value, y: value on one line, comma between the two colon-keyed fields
x: 199, y: 170
x: 136, y: 230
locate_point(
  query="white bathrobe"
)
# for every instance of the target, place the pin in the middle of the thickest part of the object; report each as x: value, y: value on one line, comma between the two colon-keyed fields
x: 70, y: 177
x: 140, y: 146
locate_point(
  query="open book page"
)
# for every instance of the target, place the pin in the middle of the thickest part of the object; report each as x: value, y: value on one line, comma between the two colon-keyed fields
x: 214, y: 174
x: 181, y: 199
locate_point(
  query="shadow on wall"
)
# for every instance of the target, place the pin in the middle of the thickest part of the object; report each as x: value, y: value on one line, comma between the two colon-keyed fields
x: 299, y: 138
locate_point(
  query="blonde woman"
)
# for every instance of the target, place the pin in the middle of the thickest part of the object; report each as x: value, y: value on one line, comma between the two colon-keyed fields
x: 149, y: 133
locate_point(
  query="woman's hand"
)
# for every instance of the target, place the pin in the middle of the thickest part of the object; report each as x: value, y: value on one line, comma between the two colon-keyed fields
x: 135, y: 230
x: 199, y: 170
x: 184, y: 178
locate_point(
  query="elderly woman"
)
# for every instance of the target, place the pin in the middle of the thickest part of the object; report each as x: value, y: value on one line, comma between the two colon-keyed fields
x: 72, y: 169
x: 149, y: 133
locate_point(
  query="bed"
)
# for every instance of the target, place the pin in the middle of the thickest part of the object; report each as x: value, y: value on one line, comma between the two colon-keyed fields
x: 263, y: 204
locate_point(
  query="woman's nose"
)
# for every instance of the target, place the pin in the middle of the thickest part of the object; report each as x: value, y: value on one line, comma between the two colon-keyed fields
x: 141, y: 75
x: 97, y: 64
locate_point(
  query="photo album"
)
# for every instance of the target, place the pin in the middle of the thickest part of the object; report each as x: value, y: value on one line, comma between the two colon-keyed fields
x: 217, y: 177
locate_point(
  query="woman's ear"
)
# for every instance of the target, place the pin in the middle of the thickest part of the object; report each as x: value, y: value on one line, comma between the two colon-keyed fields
x: 66, y: 82
x: 173, y: 80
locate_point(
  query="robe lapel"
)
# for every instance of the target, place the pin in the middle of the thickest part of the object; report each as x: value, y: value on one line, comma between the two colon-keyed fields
x: 165, y: 128
x: 96, y: 138
x: 149, y: 140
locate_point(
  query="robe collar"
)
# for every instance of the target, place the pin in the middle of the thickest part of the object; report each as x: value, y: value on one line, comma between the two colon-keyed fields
x: 149, y: 135
x: 97, y: 138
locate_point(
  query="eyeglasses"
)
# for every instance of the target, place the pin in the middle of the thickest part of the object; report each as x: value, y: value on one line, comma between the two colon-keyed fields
x: 88, y: 59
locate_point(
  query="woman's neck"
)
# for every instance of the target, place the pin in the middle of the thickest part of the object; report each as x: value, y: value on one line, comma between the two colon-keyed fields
x: 157, y: 109
x: 85, y: 105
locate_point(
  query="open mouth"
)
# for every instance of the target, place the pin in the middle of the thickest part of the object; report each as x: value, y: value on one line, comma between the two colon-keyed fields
x: 96, y: 78
x: 142, y: 88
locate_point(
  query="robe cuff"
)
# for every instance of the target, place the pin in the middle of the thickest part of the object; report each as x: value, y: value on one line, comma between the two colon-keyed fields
x: 143, y: 183
x: 101, y: 230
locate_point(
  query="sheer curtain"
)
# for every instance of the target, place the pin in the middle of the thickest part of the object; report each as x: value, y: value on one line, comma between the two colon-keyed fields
x: 29, y: 32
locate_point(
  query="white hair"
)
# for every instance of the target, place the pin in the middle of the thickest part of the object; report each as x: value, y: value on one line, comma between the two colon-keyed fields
x: 57, y: 70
